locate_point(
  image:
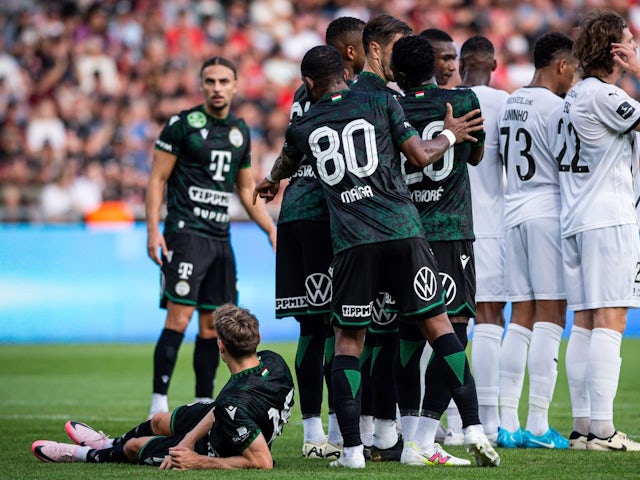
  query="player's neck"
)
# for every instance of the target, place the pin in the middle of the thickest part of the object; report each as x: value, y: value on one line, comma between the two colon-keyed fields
x: 473, y: 79
x: 219, y: 113
x: 239, y: 365
x: 334, y: 86
x: 372, y: 67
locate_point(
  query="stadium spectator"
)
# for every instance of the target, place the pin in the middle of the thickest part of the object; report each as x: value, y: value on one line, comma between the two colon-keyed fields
x: 43, y: 44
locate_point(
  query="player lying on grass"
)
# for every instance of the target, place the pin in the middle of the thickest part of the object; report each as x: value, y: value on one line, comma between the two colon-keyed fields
x: 233, y: 431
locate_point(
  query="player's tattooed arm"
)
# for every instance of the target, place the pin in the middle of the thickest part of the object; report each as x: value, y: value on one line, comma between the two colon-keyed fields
x: 284, y: 166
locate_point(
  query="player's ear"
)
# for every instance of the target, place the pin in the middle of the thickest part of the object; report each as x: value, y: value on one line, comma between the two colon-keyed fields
x: 494, y: 66
x: 308, y: 81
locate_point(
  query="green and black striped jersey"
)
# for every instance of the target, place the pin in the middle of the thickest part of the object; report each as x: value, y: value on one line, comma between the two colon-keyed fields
x: 210, y: 152
x: 441, y: 191
x: 254, y: 401
x: 352, y: 140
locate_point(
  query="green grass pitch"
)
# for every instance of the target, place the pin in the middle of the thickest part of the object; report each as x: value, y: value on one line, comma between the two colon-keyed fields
x: 108, y: 386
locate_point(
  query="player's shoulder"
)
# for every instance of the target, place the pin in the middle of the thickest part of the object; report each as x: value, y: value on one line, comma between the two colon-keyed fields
x: 490, y: 94
x: 274, y: 363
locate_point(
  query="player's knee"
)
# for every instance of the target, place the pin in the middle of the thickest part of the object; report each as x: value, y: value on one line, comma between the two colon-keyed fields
x: 160, y: 422
x: 131, y: 449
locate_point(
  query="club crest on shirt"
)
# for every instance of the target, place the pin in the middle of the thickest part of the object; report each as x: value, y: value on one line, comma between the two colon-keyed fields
x: 196, y: 119
x: 235, y: 137
x: 625, y: 110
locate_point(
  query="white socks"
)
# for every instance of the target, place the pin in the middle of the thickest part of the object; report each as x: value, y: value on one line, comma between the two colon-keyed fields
x: 313, y: 430
x: 485, y: 356
x: 543, y: 370
x: 576, y: 365
x: 159, y: 403
x: 454, y: 422
x: 425, y: 434
x: 366, y: 429
x: 334, y: 435
x: 513, y: 359
x: 409, y: 426
x: 603, y: 373
x: 385, y: 434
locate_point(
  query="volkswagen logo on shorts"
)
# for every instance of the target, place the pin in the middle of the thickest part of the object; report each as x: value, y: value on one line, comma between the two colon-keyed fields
x: 318, y: 286
x: 449, y: 286
x: 379, y: 315
x: 425, y: 284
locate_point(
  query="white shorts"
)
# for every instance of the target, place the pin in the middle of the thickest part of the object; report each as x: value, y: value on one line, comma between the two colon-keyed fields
x: 602, y: 268
x: 489, y: 253
x: 534, y: 261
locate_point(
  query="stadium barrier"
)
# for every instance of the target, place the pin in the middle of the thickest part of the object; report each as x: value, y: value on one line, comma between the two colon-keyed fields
x: 86, y: 283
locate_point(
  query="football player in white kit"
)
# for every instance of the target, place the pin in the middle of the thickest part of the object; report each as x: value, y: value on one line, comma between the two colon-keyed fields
x: 534, y: 275
x: 600, y: 242
x: 477, y: 62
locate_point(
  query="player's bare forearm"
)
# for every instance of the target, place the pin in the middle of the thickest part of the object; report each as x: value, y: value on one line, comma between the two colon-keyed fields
x: 256, y: 455
x: 421, y: 153
x: 199, y: 431
x: 283, y: 167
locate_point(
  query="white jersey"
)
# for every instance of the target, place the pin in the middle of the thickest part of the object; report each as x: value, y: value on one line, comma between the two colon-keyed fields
x: 487, y: 178
x: 532, y: 171
x: 596, y: 155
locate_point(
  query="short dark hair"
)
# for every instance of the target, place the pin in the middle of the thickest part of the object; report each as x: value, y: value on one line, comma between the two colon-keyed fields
x: 550, y: 46
x: 220, y: 61
x: 598, y: 30
x: 322, y: 64
x: 238, y: 329
x: 436, y: 35
x: 477, y: 44
x: 415, y: 58
x: 382, y: 29
x: 341, y: 28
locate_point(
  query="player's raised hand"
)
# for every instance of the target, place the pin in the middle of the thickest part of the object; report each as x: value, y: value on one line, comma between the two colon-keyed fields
x: 624, y: 54
x: 462, y: 127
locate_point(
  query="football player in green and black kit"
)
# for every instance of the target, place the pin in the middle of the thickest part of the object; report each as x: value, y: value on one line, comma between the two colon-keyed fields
x: 234, y: 431
x: 355, y: 140
x: 442, y: 195
x: 201, y: 156
x: 303, y: 256
x: 378, y: 414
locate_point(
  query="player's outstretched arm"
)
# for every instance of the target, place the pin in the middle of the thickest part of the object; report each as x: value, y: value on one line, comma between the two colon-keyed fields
x: 256, y: 455
x: 246, y: 185
x: 421, y: 153
x: 284, y: 167
x: 161, y: 169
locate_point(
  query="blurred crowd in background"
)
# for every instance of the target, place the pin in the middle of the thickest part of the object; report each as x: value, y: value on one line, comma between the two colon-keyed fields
x: 86, y: 87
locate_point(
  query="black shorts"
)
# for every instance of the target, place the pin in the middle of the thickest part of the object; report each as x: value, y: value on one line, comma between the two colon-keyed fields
x: 406, y: 269
x: 183, y: 420
x: 303, y: 256
x: 458, y: 273
x: 198, y: 271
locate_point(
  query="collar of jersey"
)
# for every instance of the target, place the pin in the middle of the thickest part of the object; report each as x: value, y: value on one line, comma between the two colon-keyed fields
x: 373, y: 75
x: 421, y: 88
x: 333, y: 94
x: 249, y: 371
x: 214, y: 119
